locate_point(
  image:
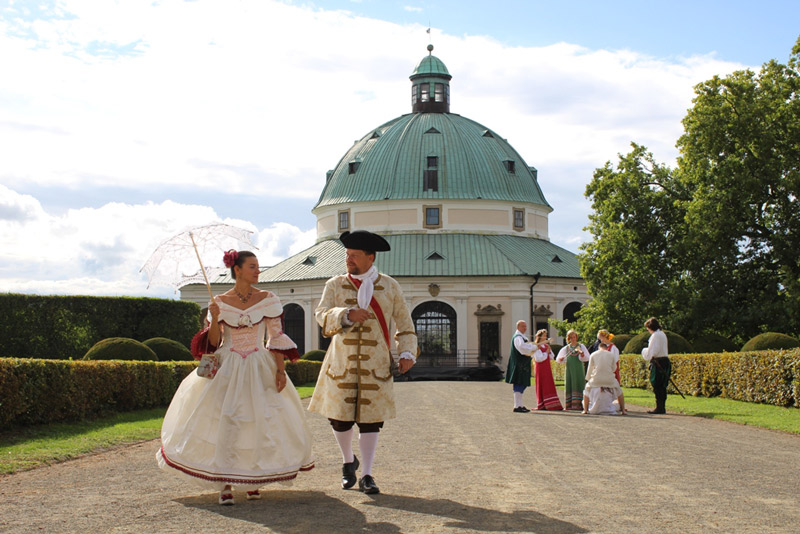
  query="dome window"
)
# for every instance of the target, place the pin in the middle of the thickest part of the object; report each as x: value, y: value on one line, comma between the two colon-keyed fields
x: 430, y: 176
x: 425, y: 90
x: 433, y: 130
x: 438, y: 92
x: 344, y: 220
x: 510, y: 166
x: 519, y: 219
x: 433, y: 216
x: 352, y: 167
x: 375, y: 135
x: 487, y: 133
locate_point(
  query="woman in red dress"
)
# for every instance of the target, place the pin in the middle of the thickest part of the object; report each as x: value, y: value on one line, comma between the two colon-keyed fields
x: 546, y: 394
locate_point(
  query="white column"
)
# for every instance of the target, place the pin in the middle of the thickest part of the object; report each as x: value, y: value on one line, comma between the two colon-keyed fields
x: 462, y: 324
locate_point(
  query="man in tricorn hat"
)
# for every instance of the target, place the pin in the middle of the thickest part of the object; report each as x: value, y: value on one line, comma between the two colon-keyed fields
x: 355, y: 383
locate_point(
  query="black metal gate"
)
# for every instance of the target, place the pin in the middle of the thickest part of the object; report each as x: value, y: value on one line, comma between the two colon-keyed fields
x: 435, y: 324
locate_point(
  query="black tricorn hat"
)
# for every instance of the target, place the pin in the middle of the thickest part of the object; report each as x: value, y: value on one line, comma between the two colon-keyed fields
x: 363, y: 240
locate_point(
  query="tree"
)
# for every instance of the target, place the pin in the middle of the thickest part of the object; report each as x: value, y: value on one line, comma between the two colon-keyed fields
x: 711, y: 246
x: 740, y: 158
x: 629, y: 266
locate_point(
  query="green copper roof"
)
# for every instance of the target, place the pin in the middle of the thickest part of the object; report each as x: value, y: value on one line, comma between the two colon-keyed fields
x: 472, y: 163
x: 430, y: 66
x: 435, y: 255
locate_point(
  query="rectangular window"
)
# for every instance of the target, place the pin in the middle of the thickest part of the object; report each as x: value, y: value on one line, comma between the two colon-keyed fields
x: 510, y: 166
x: 426, y: 92
x: 430, y: 180
x: 433, y: 216
x: 344, y: 220
x: 433, y: 162
x: 447, y: 92
x: 438, y: 92
x: 413, y: 94
x: 352, y: 167
x: 519, y: 219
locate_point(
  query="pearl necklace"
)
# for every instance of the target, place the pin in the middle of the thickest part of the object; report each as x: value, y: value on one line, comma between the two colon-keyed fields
x: 242, y: 298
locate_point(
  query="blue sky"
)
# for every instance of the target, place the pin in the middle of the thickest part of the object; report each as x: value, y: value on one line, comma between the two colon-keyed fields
x: 123, y: 122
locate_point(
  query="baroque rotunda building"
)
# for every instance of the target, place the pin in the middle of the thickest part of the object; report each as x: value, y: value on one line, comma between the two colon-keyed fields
x: 467, y: 223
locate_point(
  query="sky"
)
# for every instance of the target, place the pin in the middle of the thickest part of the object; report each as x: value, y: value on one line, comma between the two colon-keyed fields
x: 124, y: 122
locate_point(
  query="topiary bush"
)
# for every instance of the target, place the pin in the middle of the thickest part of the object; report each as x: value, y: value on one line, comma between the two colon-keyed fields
x: 620, y: 340
x: 303, y: 371
x: 316, y: 355
x: 711, y: 343
x: 771, y: 341
x: 120, y: 348
x: 168, y: 350
x: 676, y: 343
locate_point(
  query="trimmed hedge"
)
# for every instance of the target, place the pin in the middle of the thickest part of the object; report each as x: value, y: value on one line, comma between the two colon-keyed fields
x: 63, y: 327
x: 168, y: 350
x: 768, y: 377
x: 36, y: 391
x: 621, y: 340
x: 676, y: 343
x: 771, y: 341
x: 120, y: 348
x: 710, y: 343
x: 315, y: 355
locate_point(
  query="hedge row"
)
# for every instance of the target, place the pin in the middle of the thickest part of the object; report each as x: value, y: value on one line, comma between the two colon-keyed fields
x: 35, y: 391
x: 63, y: 327
x: 768, y: 377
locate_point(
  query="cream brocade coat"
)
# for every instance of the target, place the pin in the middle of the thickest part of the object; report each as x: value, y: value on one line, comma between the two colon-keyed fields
x: 355, y: 381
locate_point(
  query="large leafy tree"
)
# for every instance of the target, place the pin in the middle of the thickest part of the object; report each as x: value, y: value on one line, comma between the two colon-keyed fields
x: 740, y: 157
x: 713, y: 245
x: 637, y: 222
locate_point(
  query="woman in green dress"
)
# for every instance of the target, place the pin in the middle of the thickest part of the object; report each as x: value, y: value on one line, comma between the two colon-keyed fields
x: 573, y: 354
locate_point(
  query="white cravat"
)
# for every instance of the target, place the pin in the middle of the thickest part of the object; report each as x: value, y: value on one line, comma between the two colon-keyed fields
x: 367, y: 287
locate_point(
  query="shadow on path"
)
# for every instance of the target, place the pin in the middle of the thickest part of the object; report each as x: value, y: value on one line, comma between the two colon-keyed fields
x: 475, y: 518
x: 293, y: 512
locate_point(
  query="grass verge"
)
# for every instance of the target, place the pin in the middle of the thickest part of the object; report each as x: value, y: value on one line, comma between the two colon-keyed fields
x: 29, y: 447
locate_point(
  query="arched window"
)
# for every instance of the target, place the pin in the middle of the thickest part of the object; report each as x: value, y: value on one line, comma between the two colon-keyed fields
x: 570, y: 310
x: 294, y: 325
x: 435, y: 324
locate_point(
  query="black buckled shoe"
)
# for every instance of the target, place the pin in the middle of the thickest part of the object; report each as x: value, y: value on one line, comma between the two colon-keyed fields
x: 521, y: 409
x: 367, y: 485
x: 349, y: 477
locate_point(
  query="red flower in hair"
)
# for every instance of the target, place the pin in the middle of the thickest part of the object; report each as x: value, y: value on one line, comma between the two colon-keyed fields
x: 230, y: 257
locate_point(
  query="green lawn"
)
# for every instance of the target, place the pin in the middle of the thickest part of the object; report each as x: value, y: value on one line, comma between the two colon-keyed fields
x: 31, y: 447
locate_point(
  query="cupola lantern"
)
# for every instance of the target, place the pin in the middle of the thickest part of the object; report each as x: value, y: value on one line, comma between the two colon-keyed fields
x: 430, y: 86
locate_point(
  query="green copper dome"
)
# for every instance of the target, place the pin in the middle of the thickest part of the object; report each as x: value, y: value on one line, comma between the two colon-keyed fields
x: 472, y: 162
x: 431, y: 66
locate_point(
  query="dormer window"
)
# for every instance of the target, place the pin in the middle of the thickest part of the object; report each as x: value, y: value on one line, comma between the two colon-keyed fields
x: 510, y: 166
x: 352, y: 167
x: 430, y: 176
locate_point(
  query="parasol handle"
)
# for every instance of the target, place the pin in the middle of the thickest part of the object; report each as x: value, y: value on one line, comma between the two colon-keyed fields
x: 202, y: 269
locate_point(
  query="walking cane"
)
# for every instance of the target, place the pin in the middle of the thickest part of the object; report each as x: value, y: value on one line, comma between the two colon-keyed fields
x: 671, y: 381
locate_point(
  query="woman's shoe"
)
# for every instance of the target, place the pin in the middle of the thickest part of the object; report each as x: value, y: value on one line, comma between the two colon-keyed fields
x: 253, y: 495
x: 226, y: 497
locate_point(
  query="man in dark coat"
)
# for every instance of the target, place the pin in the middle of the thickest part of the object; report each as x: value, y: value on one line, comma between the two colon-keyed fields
x: 518, y: 372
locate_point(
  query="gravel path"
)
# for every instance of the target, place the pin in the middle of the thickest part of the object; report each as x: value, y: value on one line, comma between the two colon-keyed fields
x: 456, y: 460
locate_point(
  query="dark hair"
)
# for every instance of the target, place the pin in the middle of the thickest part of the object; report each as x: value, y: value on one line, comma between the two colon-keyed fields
x: 652, y: 324
x: 243, y: 255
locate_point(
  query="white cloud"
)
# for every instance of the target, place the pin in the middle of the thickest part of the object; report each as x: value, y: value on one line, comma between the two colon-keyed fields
x: 261, y: 98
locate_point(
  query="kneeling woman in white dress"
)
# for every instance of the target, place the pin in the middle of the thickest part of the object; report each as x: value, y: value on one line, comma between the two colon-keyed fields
x: 602, y: 387
x: 245, y: 427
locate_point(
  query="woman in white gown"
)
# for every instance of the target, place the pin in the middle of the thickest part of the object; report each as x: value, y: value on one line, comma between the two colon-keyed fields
x: 245, y: 427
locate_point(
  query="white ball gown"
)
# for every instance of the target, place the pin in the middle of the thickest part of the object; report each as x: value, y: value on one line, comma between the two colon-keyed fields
x: 236, y: 429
